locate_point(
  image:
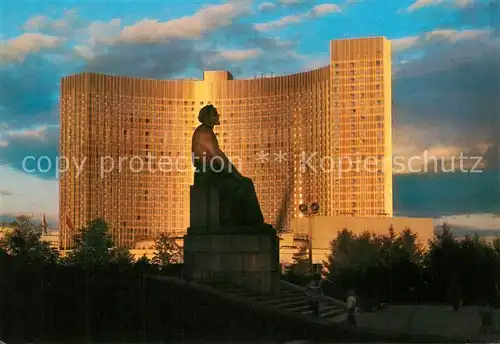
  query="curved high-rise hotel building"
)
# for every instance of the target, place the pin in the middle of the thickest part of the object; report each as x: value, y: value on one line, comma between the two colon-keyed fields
x: 322, y: 135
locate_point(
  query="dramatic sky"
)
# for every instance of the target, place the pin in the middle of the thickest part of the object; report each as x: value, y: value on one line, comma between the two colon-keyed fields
x: 446, y: 72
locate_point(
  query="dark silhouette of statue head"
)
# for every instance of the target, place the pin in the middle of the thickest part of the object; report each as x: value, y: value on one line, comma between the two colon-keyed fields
x: 209, y: 116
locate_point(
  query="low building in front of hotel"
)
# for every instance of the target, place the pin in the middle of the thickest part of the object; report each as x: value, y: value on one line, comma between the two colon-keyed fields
x: 325, y: 228
x: 4, y: 230
x: 52, y: 237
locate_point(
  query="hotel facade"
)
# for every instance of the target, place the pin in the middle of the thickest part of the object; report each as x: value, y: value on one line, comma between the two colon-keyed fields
x: 297, y: 136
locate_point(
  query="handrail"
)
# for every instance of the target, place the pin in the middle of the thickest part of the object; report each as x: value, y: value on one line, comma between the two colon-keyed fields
x: 324, y: 298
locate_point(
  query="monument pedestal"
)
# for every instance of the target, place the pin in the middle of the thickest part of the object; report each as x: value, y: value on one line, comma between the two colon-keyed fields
x: 248, y: 257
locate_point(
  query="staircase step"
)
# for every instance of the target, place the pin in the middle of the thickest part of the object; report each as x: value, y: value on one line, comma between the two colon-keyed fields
x: 242, y: 293
x: 289, y: 292
x: 287, y: 296
x: 297, y: 309
x: 287, y: 300
x: 307, y: 312
x: 292, y: 304
x: 331, y: 313
x: 283, y: 300
x: 259, y: 298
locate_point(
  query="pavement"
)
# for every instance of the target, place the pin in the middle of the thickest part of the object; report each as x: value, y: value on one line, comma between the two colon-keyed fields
x: 430, y: 320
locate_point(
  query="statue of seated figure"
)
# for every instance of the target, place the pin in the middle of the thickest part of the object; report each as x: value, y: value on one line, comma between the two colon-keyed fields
x: 237, y: 199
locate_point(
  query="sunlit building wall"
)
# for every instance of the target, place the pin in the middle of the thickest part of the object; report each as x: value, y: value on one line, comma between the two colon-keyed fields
x: 287, y: 133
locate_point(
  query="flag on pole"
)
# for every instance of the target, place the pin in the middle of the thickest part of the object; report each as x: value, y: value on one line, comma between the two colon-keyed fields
x: 44, y: 224
x: 69, y: 223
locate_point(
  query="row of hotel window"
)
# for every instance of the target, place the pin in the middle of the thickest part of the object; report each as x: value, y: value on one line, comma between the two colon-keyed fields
x: 355, y: 71
x: 358, y: 64
x: 337, y: 96
x: 157, y: 103
x: 362, y: 122
x: 370, y: 124
x: 321, y: 98
x: 341, y: 126
x: 338, y: 112
x: 353, y: 192
x: 103, y: 116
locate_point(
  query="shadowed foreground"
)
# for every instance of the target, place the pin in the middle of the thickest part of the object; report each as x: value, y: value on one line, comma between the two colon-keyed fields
x: 54, y: 303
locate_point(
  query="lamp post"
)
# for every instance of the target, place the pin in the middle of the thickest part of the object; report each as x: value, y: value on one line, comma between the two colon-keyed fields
x: 309, y: 211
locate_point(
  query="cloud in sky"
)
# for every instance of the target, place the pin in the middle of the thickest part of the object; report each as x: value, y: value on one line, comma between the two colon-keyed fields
x: 28, y: 194
x: 484, y: 222
x: 213, y: 37
x: 37, y: 134
x: 28, y: 43
x: 240, y: 55
x: 29, y: 92
x: 192, y: 27
x: 4, y: 192
x: 439, y: 35
x: 420, y: 4
x: 452, y: 90
x: 290, y: 2
x: 404, y: 43
x: 42, y: 34
x: 36, y: 142
x: 447, y: 96
x: 316, y: 11
x: 267, y: 6
x: 68, y: 21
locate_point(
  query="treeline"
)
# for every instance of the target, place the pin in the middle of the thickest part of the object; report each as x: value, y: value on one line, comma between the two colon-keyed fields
x: 99, y: 294
x: 97, y: 291
x: 394, y: 268
x: 93, y: 247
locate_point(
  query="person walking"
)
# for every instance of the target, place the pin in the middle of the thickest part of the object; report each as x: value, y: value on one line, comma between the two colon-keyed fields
x: 314, y: 292
x: 351, y: 307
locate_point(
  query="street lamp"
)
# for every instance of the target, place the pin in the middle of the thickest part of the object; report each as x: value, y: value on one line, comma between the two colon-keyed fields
x: 309, y: 211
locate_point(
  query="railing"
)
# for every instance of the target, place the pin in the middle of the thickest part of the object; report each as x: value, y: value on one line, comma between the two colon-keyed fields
x: 323, y: 298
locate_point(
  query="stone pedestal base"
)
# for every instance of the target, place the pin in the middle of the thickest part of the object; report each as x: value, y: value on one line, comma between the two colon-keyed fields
x: 244, y: 257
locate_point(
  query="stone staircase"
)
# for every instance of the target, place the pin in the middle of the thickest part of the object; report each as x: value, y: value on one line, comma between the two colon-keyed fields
x: 288, y: 313
x: 291, y: 298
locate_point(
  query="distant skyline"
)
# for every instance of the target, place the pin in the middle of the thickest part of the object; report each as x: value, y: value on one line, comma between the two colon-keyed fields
x: 445, y: 89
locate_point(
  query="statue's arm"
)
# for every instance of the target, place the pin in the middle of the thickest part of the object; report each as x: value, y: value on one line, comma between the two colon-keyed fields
x: 209, y: 141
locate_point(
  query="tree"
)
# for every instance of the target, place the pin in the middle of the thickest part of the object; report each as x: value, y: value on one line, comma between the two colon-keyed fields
x: 121, y: 256
x: 143, y: 261
x: 353, y: 261
x: 145, y: 265
x: 377, y: 266
x: 405, y: 268
x: 478, y: 270
x: 300, y: 265
x: 24, y: 241
x: 92, y: 244
x: 441, y: 265
x: 167, y: 251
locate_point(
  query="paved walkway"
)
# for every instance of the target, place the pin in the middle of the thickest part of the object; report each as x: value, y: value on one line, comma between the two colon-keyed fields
x: 435, y: 320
